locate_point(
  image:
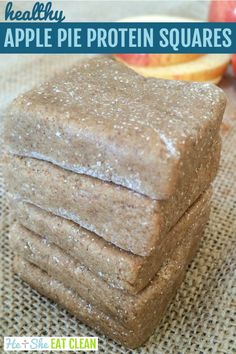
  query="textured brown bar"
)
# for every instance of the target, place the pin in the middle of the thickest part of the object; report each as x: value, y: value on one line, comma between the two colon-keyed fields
x: 132, y: 311
x: 169, y: 280
x: 127, y: 219
x: 119, y: 268
x: 102, y: 119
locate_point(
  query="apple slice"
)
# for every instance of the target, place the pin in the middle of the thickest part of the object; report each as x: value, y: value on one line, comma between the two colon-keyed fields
x: 216, y: 80
x: 206, y: 68
x: 223, y: 11
x: 156, y: 59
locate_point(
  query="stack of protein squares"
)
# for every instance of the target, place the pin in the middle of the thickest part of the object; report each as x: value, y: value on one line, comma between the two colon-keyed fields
x: 109, y: 177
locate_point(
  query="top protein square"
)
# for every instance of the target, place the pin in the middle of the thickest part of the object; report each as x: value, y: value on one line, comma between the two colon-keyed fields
x: 101, y: 119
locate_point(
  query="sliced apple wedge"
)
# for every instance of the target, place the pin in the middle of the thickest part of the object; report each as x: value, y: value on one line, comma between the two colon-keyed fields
x: 190, y: 67
x: 156, y: 59
x: 216, y: 80
x: 206, y: 68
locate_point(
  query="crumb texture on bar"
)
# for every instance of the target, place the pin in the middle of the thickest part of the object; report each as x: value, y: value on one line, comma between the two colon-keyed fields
x: 102, y: 119
x: 121, y: 269
x: 100, y: 206
x: 170, y: 279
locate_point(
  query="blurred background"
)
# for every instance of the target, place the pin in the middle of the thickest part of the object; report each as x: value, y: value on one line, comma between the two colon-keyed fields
x: 20, y: 72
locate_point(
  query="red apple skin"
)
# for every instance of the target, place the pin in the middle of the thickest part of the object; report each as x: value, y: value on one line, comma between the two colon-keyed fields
x: 134, y: 59
x: 153, y: 60
x: 222, y: 11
